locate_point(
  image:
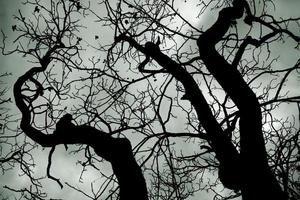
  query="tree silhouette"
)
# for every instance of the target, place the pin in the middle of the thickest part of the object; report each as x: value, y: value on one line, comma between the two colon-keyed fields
x: 177, y: 109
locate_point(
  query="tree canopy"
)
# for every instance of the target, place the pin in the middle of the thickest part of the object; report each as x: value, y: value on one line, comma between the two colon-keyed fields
x: 145, y: 99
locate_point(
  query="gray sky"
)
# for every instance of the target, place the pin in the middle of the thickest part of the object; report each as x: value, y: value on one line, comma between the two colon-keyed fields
x: 70, y: 171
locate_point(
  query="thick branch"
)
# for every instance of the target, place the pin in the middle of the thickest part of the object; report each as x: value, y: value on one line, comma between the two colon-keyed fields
x: 34, y: 134
x: 115, y: 150
x: 253, y: 152
x: 226, y: 153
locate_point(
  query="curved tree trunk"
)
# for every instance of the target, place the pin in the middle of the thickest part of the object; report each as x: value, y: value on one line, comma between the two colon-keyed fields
x: 115, y: 150
x: 258, y: 182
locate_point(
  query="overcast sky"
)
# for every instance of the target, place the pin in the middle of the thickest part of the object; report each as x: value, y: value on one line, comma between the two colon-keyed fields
x: 16, y: 65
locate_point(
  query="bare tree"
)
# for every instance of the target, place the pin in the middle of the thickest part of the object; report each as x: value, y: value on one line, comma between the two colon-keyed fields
x: 167, y: 102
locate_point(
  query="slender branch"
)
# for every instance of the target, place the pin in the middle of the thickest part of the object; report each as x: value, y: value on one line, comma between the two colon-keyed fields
x: 10, y: 157
x: 49, y: 166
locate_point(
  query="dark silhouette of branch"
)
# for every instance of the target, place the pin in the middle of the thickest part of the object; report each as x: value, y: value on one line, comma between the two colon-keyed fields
x: 226, y: 153
x: 254, y: 164
x: 49, y: 167
x: 115, y: 150
x: 11, y: 157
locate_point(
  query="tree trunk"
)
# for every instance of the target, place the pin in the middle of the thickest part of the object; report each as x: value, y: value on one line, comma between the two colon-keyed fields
x: 129, y: 174
x: 115, y: 150
x: 258, y: 182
